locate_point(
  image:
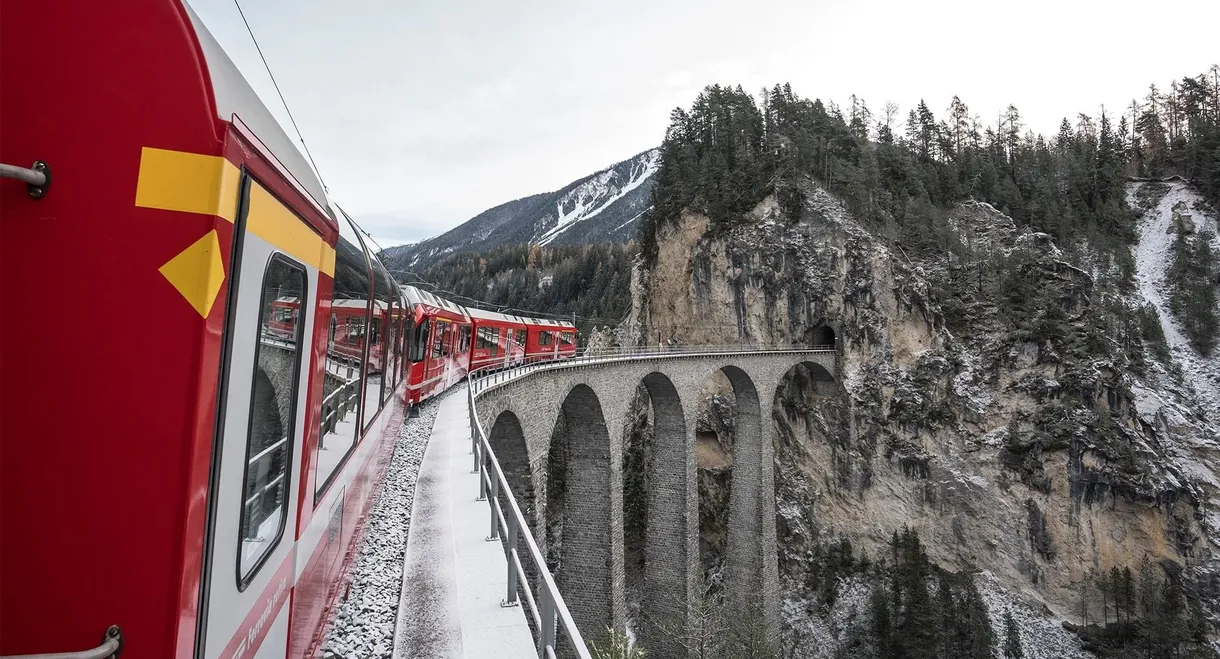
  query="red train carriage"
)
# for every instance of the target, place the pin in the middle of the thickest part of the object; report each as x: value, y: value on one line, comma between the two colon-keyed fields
x: 499, y: 339
x: 439, y: 352
x: 549, y: 339
x: 207, y: 489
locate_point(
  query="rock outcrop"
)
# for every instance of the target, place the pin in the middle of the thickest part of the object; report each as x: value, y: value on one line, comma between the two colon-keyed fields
x: 994, y: 398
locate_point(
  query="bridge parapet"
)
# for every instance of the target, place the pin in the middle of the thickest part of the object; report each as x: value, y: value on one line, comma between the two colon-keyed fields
x: 582, y: 406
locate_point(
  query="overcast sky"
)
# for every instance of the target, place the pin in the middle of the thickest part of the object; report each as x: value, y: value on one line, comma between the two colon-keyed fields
x: 422, y: 114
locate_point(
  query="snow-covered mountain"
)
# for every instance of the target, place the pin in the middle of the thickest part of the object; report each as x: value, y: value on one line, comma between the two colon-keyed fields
x: 601, y: 207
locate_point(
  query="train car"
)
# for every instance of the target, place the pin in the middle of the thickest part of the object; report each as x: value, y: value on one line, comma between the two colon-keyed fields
x: 440, y: 344
x: 204, y: 496
x: 549, y: 339
x: 499, y: 339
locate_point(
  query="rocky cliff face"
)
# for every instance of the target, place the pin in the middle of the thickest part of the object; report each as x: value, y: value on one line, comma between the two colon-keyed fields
x: 999, y: 403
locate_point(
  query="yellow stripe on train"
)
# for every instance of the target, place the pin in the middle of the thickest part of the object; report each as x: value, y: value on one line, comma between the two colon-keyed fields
x: 188, y: 182
x: 270, y: 220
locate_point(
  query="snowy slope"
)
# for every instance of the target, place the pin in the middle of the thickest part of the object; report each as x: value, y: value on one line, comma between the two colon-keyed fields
x: 602, y: 207
x: 1152, y: 259
x: 594, y: 196
x: 1187, y: 411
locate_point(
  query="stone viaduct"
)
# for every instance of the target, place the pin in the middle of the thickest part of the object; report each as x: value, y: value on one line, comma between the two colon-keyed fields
x: 587, y: 405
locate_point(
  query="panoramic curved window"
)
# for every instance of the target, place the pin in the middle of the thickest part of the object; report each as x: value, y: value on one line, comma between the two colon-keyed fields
x: 345, y: 355
x: 272, y: 415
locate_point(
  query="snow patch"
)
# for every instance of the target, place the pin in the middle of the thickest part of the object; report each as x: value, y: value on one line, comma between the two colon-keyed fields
x: 599, y: 193
x: 1153, y: 256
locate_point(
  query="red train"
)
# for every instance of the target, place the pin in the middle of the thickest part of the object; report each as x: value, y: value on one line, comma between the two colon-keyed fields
x: 203, y: 480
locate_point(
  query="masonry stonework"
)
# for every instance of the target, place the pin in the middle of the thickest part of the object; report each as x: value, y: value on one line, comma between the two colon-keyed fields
x: 594, y: 401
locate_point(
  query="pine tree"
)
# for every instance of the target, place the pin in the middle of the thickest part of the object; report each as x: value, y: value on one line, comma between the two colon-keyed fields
x: 1012, y: 638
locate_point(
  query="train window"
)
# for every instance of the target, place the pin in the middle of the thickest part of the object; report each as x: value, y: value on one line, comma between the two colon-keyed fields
x: 380, y: 352
x: 375, y: 353
x: 391, y: 351
x: 521, y: 338
x: 565, y: 338
x: 544, y: 337
x: 489, y: 339
x: 266, y: 490
x: 438, y: 339
x: 343, y: 379
x: 465, y: 339
x: 419, y: 343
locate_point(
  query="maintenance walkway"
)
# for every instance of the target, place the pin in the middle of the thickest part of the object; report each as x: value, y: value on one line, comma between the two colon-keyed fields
x: 454, y: 579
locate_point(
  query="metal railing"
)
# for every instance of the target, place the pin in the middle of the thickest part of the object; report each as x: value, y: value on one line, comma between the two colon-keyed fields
x: 338, y: 404
x: 492, y: 376
x: 547, y: 608
x: 252, y: 523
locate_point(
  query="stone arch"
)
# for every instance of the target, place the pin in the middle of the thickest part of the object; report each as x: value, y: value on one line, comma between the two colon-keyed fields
x: 580, y: 485
x: 750, y: 578
x: 670, y: 512
x: 747, y: 582
x: 507, y: 441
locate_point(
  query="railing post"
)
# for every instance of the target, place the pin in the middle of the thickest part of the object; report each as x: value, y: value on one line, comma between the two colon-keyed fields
x: 547, y: 632
x: 493, y: 498
x: 481, y: 470
x: 511, y: 597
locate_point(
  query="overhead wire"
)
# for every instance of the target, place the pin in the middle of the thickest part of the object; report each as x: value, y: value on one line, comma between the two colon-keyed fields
x: 276, y: 84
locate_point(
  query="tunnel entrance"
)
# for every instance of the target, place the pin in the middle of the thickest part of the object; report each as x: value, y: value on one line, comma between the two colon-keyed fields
x: 824, y: 336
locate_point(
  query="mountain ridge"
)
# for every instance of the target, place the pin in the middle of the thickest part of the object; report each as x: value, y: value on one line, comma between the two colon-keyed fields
x: 604, y: 206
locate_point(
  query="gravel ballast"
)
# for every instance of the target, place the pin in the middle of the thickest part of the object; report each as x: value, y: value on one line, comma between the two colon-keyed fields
x: 363, y: 623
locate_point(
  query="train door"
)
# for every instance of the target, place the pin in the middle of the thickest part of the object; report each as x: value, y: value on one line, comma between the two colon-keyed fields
x: 249, y: 561
x: 504, y: 337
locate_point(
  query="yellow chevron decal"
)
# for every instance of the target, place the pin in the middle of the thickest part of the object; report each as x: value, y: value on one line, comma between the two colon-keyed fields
x: 197, y: 272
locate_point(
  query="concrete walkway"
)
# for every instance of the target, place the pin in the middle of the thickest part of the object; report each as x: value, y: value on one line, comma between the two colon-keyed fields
x: 453, y: 579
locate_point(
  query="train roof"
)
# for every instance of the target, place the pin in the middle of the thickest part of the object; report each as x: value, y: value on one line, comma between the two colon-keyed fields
x: 559, y: 324
x: 236, y: 99
x: 420, y: 296
x: 484, y: 314
x: 358, y: 303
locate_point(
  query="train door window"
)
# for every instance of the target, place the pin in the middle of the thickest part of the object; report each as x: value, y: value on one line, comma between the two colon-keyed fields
x: 419, y: 345
x: 408, y: 345
x: 266, y: 490
x: 339, y: 417
x: 438, y: 339
x: 521, y: 338
x: 464, y: 345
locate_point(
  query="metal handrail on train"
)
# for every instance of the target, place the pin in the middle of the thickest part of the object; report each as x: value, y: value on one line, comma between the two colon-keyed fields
x: 552, y: 610
x: 547, y: 608
x: 111, y: 647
